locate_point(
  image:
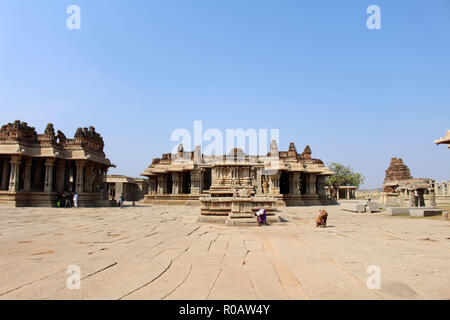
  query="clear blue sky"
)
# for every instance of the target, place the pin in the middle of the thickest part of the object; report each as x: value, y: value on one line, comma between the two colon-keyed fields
x: 137, y: 70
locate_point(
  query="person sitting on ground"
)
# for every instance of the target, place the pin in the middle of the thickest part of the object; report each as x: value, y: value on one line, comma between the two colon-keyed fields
x: 321, y: 220
x: 261, y: 216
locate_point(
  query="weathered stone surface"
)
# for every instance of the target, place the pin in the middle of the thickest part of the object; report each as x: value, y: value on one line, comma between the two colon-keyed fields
x: 396, y: 211
x: 160, y: 252
x: 424, y: 212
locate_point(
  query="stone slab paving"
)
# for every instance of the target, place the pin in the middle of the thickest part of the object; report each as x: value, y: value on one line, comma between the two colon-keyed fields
x: 161, y: 252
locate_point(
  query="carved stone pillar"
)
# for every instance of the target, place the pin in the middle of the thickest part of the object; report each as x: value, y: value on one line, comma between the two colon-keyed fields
x: 295, y: 184
x: 321, y: 184
x: 311, y: 184
x: 79, y: 184
x: 60, y: 175
x: 49, y: 165
x: 177, y: 179
x: 274, y: 184
x: 5, y: 174
x: 412, y: 198
x: 14, y: 175
x: 432, y: 198
x: 152, y: 185
x: 89, y: 177
x: 162, y: 184
x: 197, y: 182
x: 27, y: 181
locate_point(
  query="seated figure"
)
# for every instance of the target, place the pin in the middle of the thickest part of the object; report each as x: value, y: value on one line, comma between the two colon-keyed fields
x: 321, y: 220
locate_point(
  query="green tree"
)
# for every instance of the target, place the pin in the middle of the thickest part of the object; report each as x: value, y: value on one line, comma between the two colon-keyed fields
x: 343, y: 176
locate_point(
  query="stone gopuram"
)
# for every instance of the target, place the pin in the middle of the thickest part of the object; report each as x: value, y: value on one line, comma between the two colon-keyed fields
x: 34, y: 168
x: 288, y: 177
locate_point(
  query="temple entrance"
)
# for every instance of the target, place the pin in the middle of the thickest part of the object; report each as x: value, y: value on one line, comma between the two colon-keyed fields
x: 169, y: 184
x: 207, y: 179
x: 302, y: 183
x: 186, y: 188
x: 285, y: 187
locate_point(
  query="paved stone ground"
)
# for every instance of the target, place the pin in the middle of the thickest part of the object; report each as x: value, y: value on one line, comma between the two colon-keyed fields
x: 160, y: 252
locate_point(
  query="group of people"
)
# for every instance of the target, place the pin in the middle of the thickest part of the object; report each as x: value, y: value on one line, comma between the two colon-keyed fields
x: 321, y: 220
x: 67, y: 200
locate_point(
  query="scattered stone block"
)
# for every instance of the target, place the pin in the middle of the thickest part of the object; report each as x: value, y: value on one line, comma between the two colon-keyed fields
x: 424, y: 212
x: 354, y: 207
x: 397, y: 211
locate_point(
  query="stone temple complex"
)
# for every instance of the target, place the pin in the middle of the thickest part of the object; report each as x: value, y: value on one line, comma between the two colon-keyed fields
x: 34, y: 168
x: 281, y: 177
x: 401, y: 189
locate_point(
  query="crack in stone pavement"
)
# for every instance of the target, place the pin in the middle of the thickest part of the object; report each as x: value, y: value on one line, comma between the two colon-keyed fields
x: 146, y: 284
x: 180, y: 284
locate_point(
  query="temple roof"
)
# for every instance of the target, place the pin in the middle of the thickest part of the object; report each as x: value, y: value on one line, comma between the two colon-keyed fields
x: 445, y: 140
x: 18, y: 138
x: 286, y: 161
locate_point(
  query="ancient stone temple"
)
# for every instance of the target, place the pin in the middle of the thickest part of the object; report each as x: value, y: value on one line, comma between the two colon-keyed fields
x: 445, y: 140
x: 290, y: 178
x: 401, y: 189
x: 397, y: 171
x: 132, y: 189
x: 36, y: 167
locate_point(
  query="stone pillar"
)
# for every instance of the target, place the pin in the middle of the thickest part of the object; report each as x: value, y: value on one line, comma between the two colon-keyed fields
x: 49, y: 165
x: 259, y: 186
x: 311, y: 184
x: 321, y: 183
x: 197, y: 182
x: 177, y: 179
x: 295, y: 184
x: 60, y: 175
x: 348, y: 194
x: 5, y: 174
x: 338, y: 194
x: 27, y: 182
x: 79, y: 183
x: 274, y: 185
x: 89, y: 177
x: 14, y: 175
x: 152, y: 185
x: 162, y: 184
x: 432, y: 198
x: 412, y: 198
